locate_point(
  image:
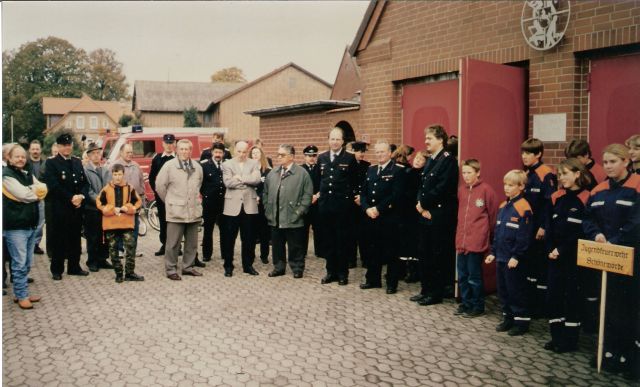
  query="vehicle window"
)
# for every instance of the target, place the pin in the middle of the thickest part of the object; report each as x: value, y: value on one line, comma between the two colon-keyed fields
x: 143, y: 148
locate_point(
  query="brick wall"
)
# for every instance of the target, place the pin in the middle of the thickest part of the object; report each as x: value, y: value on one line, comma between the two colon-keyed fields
x: 301, y: 130
x: 418, y: 39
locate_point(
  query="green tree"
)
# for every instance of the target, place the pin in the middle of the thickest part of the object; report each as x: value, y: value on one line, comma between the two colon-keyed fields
x: 229, y: 74
x: 191, y: 118
x: 106, y: 79
x: 47, y: 67
x: 125, y: 120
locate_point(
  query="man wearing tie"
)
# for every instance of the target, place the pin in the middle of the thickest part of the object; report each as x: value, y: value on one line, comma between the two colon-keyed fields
x: 379, y: 198
x: 287, y: 197
x: 212, y: 192
x: 241, y: 176
x: 338, y: 182
x: 178, y: 185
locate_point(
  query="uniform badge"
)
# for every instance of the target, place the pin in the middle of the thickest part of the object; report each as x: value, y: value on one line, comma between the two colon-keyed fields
x: 514, y: 219
x: 479, y: 202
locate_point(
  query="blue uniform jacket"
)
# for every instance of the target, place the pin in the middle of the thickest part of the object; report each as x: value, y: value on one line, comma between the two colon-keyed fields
x: 383, y: 191
x: 614, y: 210
x: 565, y: 224
x: 541, y: 184
x: 338, y: 182
x: 513, y: 230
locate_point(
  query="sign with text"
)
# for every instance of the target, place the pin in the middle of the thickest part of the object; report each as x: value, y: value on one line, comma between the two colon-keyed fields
x: 606, y: 257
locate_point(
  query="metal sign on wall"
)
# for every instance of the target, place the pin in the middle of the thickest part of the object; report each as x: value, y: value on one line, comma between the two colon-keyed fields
x: 544, y: 22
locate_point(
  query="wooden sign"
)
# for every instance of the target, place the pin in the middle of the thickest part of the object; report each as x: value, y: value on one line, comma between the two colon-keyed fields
x: 606, y: 257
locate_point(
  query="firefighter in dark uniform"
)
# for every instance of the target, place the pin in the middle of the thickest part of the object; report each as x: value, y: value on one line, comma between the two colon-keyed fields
x: 338, y: 181
x: 68, y: 188
x: 437, y: 203
x: 169, y: 146
x: 212, y: 191
x: 379, y: 199
x: 357, y: 234
x: 613, y: 216
x: 561, y: 239
x: 311, y: 218
x: 218, y: 138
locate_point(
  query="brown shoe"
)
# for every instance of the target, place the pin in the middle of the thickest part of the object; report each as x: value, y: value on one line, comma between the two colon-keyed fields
x: 192, y: 272
x: 31, y: 298
x: 174, y: 277
x: 25, y: 304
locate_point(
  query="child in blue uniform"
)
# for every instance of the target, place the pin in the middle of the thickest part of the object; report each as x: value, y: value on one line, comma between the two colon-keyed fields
x: 512, y: 238
x: 613, y: 216
x: 565, y: 228
x: 541, y: 183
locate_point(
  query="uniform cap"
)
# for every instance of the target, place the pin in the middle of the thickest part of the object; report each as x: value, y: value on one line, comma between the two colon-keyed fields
x: 92, y: 147
x: 169, y: 138
x: 359, y: 146
x: 310, y: 150
x: 64, y: 139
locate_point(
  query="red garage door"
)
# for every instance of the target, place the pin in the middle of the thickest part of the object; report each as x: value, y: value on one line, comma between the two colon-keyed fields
x: 614, y: 101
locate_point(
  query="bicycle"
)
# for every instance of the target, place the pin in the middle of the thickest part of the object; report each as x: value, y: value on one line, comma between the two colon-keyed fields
x: 148, y: 213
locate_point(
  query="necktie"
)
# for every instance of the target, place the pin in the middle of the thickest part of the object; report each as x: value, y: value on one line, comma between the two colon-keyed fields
x: 186, y: 165
x: 333, y: 156
x: 379, y: 169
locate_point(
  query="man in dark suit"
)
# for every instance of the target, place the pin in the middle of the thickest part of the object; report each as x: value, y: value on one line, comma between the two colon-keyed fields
x: 212, y: 192
x: 338, y: 181
x: 357, y: 237
x: 68, y: 188
x: 437, y: 205
x: 380, y: 197
x: 311, y: 218
x: 169, y: 146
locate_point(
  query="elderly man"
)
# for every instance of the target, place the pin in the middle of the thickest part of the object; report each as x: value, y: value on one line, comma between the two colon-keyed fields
x: 338, y: 183
x: 135, y: 178
x: 98, y: 176
x: 178, y: 185
x: 381, y: 192
x: 68, y: 190
x: 241, y: 176
x: 287, y: 196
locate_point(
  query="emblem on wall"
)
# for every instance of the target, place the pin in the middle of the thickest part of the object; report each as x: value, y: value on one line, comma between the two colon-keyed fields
x: 544, y: 22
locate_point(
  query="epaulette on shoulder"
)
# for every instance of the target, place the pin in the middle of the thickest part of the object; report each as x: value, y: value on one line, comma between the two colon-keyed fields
x: 584, y: 196
x: 557, y: 195
x: 399, y: 165
x: 75, y: 157
x: 446, y: 154
x: 600, y: 187
x: 503, y: 204
x: 633, y: 182
x: 204, y: 161
x: 522, y: 206
x: 543, y: 170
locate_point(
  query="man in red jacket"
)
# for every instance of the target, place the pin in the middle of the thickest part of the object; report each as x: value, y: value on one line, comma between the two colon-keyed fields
x: 476, y: 217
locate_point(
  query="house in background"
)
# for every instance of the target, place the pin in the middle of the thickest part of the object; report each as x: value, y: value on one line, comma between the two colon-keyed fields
x: 161, y: 104
x: 85, y: 116
x: 222, y: 104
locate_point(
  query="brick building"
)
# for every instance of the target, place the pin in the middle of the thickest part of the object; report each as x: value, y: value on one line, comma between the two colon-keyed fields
x: 480, y: 69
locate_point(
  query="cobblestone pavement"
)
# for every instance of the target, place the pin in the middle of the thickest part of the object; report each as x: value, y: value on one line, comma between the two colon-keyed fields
x: 246, y: 330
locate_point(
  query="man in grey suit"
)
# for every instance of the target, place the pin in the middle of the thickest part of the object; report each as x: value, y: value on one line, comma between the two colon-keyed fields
x: 241, y: 176
x: 287, y: 197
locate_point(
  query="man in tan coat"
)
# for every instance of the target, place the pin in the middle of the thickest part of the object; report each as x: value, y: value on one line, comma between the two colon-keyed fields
x: 241, y: 176
x: 178, y: 185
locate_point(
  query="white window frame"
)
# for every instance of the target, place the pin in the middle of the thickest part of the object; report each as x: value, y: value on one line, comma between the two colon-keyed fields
x: 93, y: 122
x: 80, y: 122
x: 105, y: 124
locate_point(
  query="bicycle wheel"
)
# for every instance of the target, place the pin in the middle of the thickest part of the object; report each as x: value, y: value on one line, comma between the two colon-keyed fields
x: 152, y: 216
x: 142, y: 227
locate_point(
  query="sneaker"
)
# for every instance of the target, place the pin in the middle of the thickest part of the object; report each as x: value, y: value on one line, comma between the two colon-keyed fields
x: 473, y: 313
x: 504, y: 326
x: 460, y: 310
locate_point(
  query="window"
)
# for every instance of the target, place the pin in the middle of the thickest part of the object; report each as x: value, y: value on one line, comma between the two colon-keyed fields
x: 79, y: 122
x: 105, y: 124
x: 68, y: 124
x: 93, y: 122
x: 143, y: 148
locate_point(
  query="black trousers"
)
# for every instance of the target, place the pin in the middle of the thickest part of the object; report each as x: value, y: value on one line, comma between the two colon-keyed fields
x: 311, y: 220
x: 66, y: 242
x: 381, y: 235
x: 434, y: 244
x: 512, y: 292
x: 6, y: 261
x: 336, y: 227
x: 263, y: 234
x: 245, y: 224
x: 563, y: 300
x: 162, y: 218
x: 97, y: 248
x: 211, y: 217
x: 293, y: 238
x: 536, y: 275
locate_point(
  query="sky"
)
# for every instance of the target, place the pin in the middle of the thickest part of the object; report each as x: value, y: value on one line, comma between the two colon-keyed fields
x: 189, y: 41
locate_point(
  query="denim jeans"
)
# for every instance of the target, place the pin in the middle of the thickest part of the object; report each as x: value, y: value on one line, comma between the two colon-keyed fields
x: 20, y: 244
x: 470, y: 281
x: 40, y: 223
